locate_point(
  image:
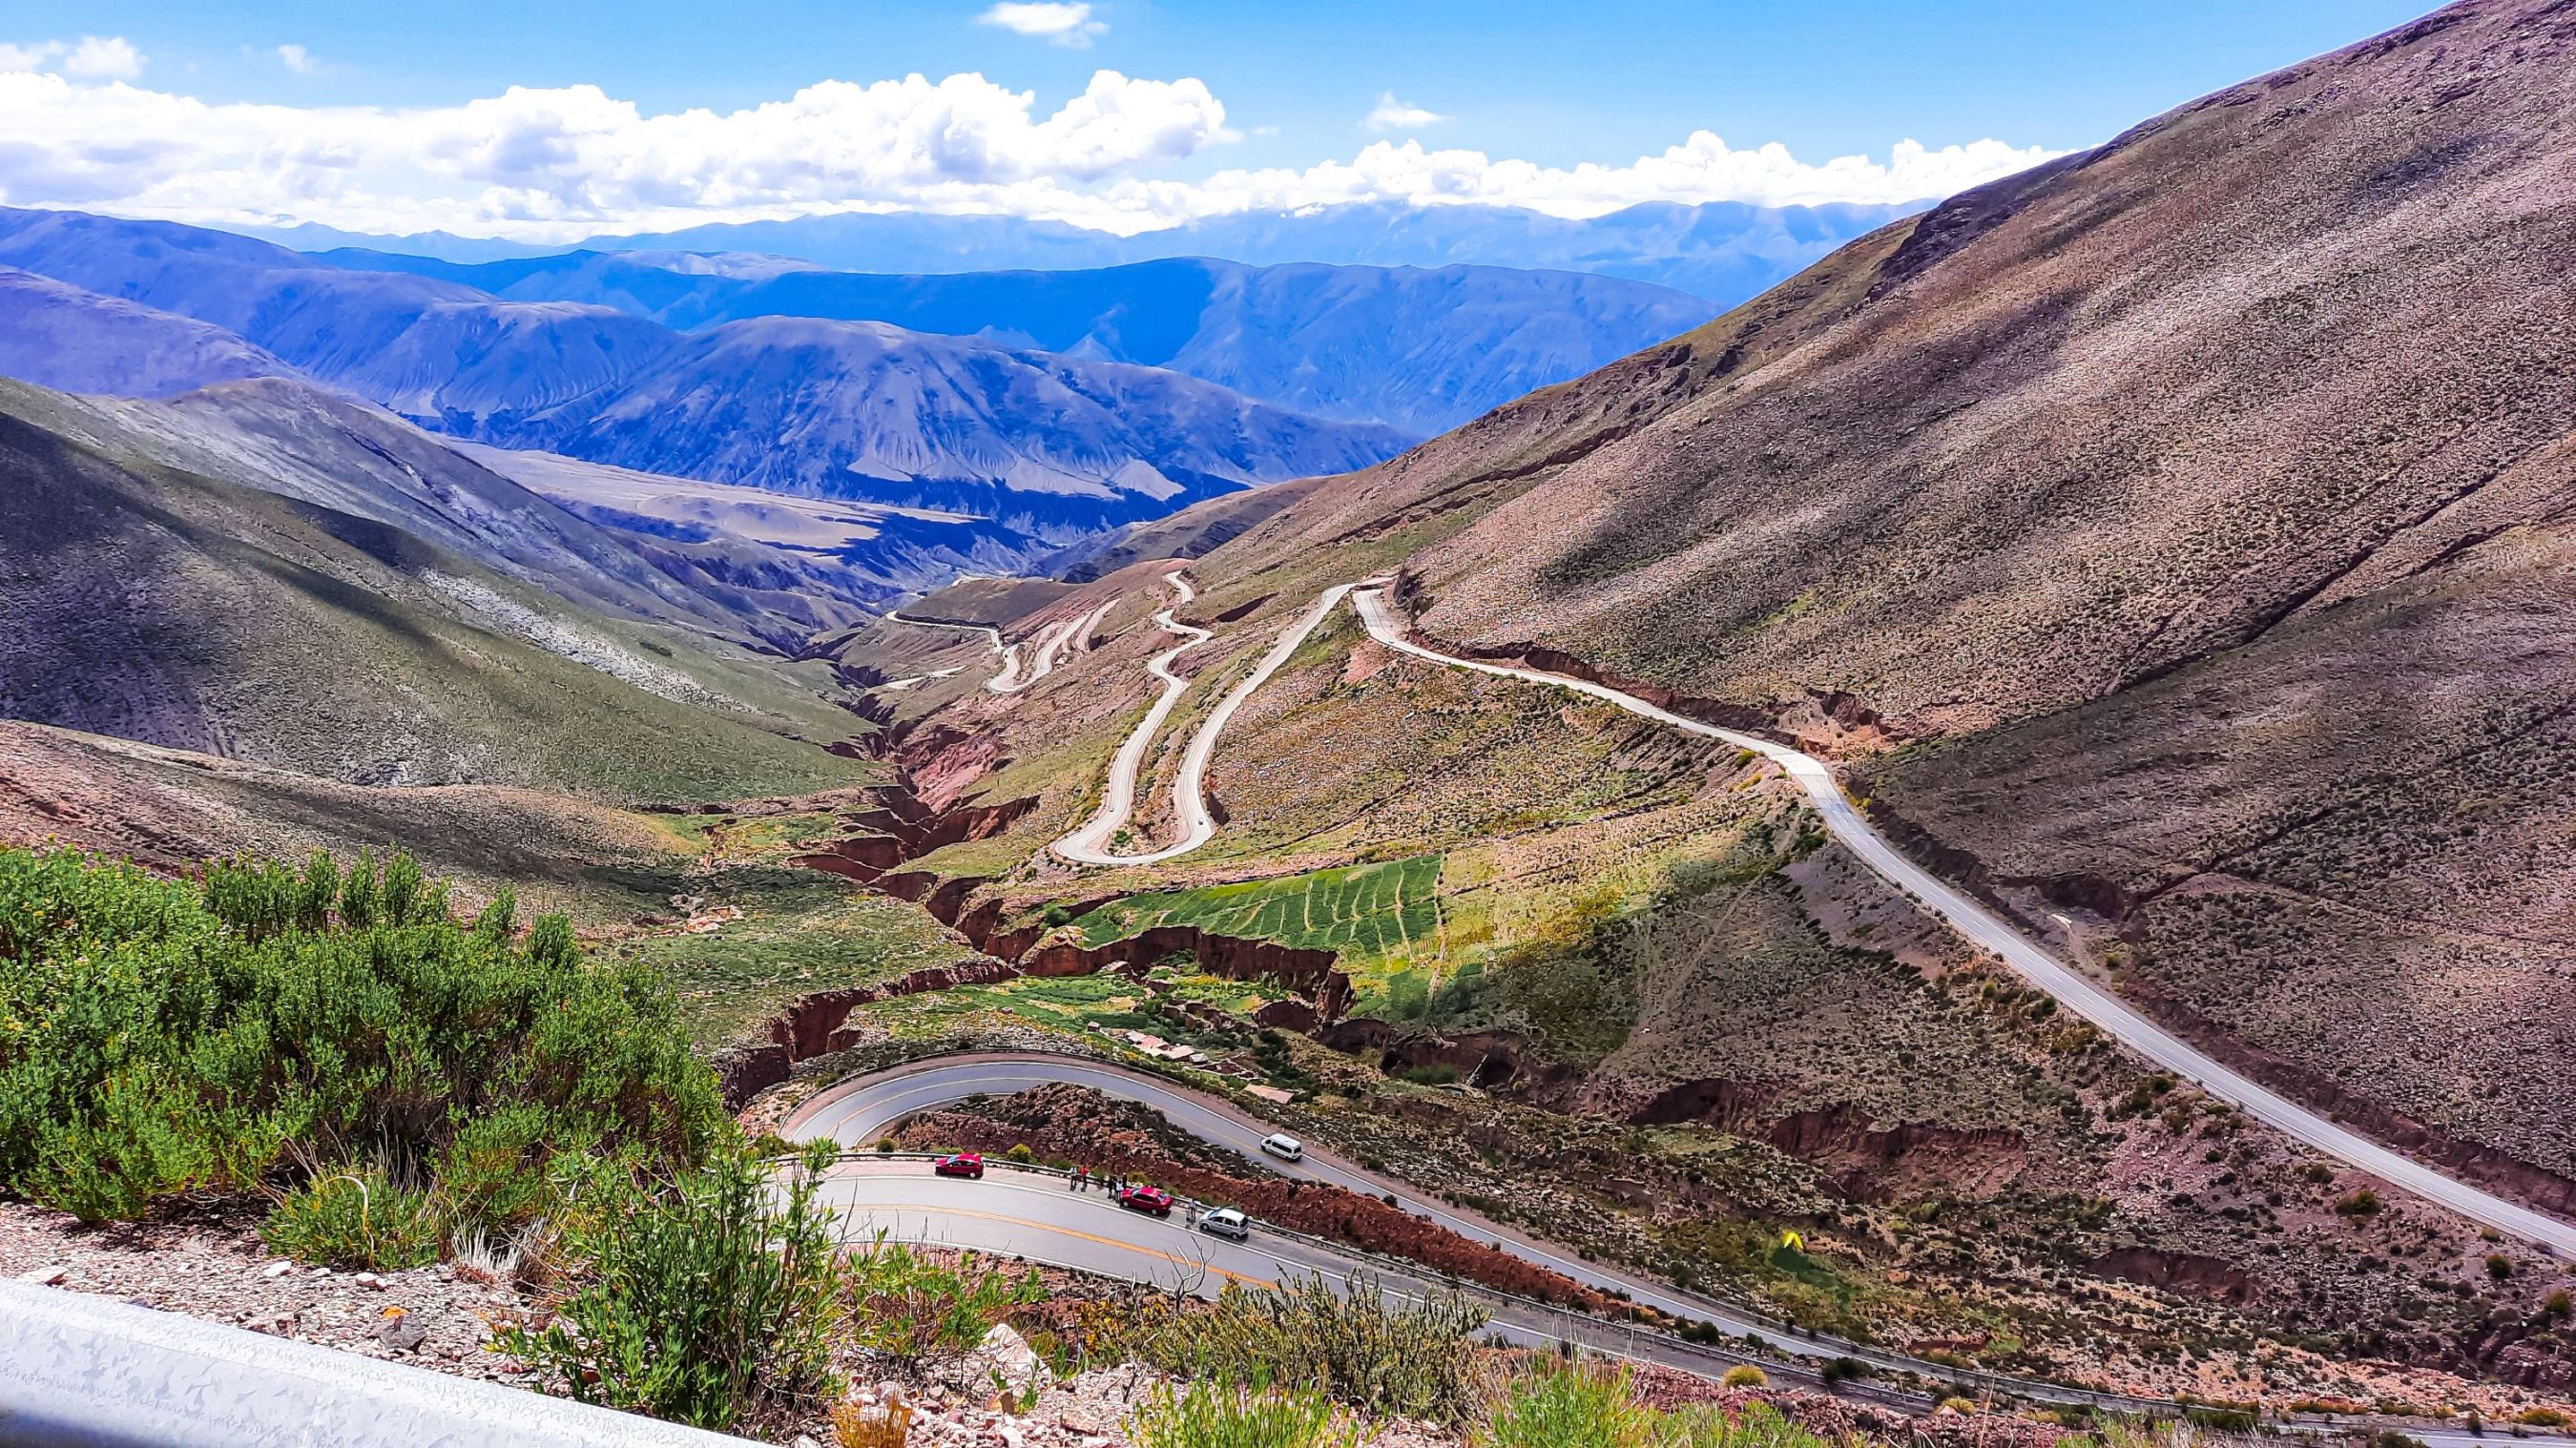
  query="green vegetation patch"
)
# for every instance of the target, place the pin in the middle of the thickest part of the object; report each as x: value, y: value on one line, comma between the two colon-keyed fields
x: 1364, y: 912
x: 276, y: 1026
x: 801, y: 932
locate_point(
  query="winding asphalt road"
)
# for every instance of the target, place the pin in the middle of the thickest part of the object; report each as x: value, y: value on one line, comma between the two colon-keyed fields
x: 1037, y: 1218
x: 857, y: 1112
x: 1991, y: 932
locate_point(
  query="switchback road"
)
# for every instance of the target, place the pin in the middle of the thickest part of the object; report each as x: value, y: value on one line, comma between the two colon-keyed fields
x: 1089, y: 844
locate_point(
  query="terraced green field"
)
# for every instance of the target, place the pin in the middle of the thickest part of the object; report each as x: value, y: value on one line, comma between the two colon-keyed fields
x: 1366, y: 912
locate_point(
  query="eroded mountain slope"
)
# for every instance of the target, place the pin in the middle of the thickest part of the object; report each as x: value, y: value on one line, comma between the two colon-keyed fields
x: 2207, y: 495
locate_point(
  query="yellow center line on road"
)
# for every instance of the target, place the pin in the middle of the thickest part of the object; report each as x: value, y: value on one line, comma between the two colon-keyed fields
x: 1071, y: 1232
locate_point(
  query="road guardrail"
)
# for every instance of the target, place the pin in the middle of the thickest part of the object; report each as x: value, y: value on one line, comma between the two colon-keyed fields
x: 83, y: 1371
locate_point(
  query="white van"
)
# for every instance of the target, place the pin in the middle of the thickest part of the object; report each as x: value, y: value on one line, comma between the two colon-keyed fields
x: 1283, y: 1146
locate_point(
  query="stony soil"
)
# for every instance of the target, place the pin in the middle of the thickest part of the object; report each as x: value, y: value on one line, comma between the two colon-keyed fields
x: 216, y: 1268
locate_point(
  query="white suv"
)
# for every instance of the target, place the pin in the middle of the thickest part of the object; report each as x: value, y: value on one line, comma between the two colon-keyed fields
x: 1283, y: 1146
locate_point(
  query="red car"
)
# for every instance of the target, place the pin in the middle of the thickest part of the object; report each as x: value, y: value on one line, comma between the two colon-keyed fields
x: 1146, y: 1199
x: 963, y: 1164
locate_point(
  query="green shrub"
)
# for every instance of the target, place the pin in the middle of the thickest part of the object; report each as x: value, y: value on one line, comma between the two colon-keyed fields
x: 160, y: 1038
x: 2363, y: 1203
x: 926, y: 1317
x: 709, y: 1300
x: 1745, y: 1375
x: 2541, y: 1418
x: 352, y: 1220
x: 1022, y: 1153
x: 2558, y: 1305
x: 1569, y: 1407
x: 1755, y: 1425
x: 1351, y: 1344
x: 1211, y: 1414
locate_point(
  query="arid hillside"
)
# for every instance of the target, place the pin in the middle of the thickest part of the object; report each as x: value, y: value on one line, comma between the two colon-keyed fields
x: 2176, y: 537
x: 153, y: 603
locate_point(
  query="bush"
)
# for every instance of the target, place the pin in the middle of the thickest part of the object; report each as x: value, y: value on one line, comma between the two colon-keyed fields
x: 709, y: 1300
x: 1212, y: 1414
x: 1352, y: 1345
x: 1571, y: 1407
x: 927, y: 1317
x: 2363, y: 1203
x: 1745, y: 1375
x: 349, y: 1220
x: 2542, y: 1418
x: 1844, y: 1370
x: 2499, y: 1266
x: 2558, y: 1305
x: 167, y: 1038
x: 1022, y: 1153
x: 1757, y: 1425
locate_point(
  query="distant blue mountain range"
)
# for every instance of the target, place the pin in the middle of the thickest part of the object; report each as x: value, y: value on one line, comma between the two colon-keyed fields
x: 1413, y: 349
x: 1723, y: 252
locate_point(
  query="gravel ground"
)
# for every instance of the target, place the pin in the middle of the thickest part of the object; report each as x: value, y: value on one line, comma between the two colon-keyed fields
x: 1089, y: 1411
x: 218, y: 1270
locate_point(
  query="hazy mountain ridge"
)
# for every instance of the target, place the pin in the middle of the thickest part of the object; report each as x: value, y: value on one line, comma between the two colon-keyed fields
x: 1724, y: 251
x: 76, y: 340
x: 1413, y: 348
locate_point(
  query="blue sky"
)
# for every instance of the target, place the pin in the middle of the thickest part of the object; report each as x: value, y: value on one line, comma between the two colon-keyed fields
x: 1281, y: 88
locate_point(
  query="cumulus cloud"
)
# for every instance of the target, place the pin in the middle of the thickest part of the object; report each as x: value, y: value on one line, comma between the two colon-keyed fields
x: 92, y: 57
x: 297, y: 59
x: 1058, y: 24
x: 1702, y: 168
x: 1390, y: 114
x: 557, y: 164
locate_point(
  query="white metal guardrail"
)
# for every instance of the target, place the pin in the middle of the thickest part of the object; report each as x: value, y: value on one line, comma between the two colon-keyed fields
x: 81, y: 1371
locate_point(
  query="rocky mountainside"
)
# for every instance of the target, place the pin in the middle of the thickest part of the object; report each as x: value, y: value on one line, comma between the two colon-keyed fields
x: 1040, y: 445
x: 2202, y: 507
x: 398, y: 640
x: 1417, y: 349
x: 1062, y: 445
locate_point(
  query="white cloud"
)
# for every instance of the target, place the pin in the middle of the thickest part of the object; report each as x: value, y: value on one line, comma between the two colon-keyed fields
x: 1059, y: 24
x: 111, y: 58
x: 1391, y: 114
x: 558, y: 164
x: 297, y: 59
x: 89, y: 58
